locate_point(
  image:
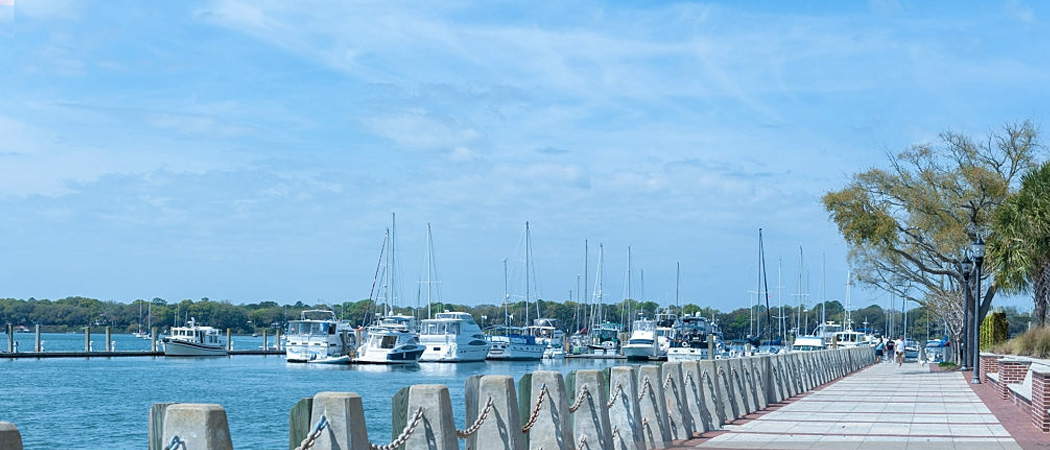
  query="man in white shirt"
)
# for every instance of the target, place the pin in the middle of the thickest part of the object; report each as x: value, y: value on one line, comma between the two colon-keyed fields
x: 898, y: 347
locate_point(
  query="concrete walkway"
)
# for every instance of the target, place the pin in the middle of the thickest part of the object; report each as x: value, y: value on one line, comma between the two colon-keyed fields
x: 881, y: 407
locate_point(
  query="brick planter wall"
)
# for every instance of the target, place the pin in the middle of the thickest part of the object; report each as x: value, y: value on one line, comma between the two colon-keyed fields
x: 1040, y: 399
x: 1011, y: 371
x: 989, y: 364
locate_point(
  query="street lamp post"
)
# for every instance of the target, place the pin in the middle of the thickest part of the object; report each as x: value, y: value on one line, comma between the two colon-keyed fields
x: 978, y: 253
x: 967, y: 341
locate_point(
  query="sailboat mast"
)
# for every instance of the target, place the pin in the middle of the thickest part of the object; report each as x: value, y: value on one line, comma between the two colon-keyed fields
x: 430, y: 258
x: 824, y: 290
x: 392, y: 262
x: 527, y: 291
x: 765, y: 285
x: 677, y: 285
x: 587, y: 298
x: 630, y: 304
x: 506, y: 296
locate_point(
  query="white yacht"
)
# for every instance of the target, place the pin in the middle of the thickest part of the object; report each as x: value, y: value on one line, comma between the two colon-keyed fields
x: 547, y: 333
x: 194, y: 340
x: 452, y: 337
x: 691, y: 342
x: 319, y: 337
x: 512, y: 344
x: 808, y: 344
x: 642, y: 344
x: 392, y: 340
x: 667, y: 326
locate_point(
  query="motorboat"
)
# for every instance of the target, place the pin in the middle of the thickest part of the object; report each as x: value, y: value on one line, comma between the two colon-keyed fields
x: 849, y: 338
x: 642, y: 345
x: 319, y: 337
x: 513, y: 344
x: 667, y: 326
x: 808, y: 344
x: 691, y: 342
x: 605, y: 338
x: 194, y: 340
x: 392, y: 340
x: 452, y: 337
x: 546, y: 332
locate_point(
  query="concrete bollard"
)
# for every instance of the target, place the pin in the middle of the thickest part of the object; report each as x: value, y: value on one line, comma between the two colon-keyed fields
x: 725, y: 391
x: 502, y: 427
x: 679, y: 421
x: 712, y: 396
x: 653, y: 405
x: 551, y: 429
x: 436, y: 429
x: 624, y: 414
x: 346, y: 422
x: 156, y: 425
x: 590, y: 421
x: 200, y: 426
x: 10, y: 438
x: 745, y: 401
x: 694, y: 397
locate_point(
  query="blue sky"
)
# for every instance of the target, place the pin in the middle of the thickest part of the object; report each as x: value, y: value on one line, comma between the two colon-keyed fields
x: 255, y: 150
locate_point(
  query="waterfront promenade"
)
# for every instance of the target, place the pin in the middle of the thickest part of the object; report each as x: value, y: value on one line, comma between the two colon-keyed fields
x: 880, y: 407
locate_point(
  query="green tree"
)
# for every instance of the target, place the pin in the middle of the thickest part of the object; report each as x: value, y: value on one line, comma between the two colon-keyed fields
x: 1019, y: 250
x: 909, y: 226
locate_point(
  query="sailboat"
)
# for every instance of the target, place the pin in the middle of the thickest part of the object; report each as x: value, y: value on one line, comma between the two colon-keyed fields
x: 849, y: 337
x: 510, y: 343
x: 392, y: 338
x: 604, y: 335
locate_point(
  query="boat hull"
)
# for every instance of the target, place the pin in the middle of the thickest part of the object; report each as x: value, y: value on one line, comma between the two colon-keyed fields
x: 639, y: 352
x: 678, y: 354
x: 180, y: 348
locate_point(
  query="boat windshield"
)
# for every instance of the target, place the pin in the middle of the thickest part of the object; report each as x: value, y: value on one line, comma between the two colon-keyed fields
x: 439, y: 327
x: 312, y: 328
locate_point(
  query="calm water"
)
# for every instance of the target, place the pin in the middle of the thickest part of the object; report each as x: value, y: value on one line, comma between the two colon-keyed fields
x: 91, y: 403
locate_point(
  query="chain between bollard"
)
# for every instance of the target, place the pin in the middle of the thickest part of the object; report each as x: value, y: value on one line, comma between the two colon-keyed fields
x: 689, y: 378
x: 176, y: 443
x: 584, y: 392
x: 405, y: 434
x: 617, y: 392
x: 535, y: 410
x: 582, y: 442
x: 645, y: 389
x: 668, y: 381
x: 322, y: 423
x: 477, y: 423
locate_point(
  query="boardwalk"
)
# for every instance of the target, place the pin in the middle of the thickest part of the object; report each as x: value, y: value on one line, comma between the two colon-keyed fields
x: 881, y: 407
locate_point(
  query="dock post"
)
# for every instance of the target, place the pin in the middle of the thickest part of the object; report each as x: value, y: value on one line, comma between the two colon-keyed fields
x: 653, y: 406
x: 346, y: 421
x: 229, y: 340
x: 552, y: 429
x: 109, y: 338
x: 39, y: 346
x: 10, y: 439
x: 501, y: 428
x: 199, y: 426
x: 711, y: 346
x: 624, y: 414
x: 277, y: 339
x: 156, y: 425
x: 153, y: 339
x: 591, y: 426
x: 264, y: 339
x: 679, y: 420
x: 10, y: 338
x: 87, y: 338
x: 436, y: 429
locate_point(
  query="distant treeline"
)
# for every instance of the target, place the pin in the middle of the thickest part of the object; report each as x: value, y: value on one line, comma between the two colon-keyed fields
x: 73, y: 313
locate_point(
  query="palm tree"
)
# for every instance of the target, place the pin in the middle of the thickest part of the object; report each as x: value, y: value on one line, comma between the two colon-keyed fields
x: 1019, y: 250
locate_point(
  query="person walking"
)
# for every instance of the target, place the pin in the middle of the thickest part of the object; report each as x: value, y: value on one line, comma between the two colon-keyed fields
x: 899, y: 348
x: 879, y: 348
x: 889, y: 350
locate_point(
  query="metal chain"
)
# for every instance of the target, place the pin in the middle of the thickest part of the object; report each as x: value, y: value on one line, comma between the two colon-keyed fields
x: 175, y: 443
x: 322, y: 423
x: 477, y: 423
x: 579, y: 399
x: 667, y: 382
x: 645, y: 389
x: 583, y: 441
x: 403, y: 437
x: 617, y: 392
x: 535, y: 410
x: 689, y: 378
